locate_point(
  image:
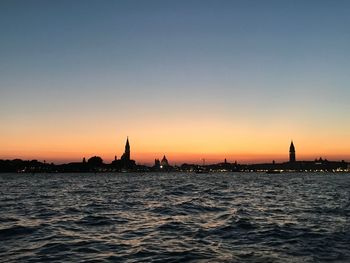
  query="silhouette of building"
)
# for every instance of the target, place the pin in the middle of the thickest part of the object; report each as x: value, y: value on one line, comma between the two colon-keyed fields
x: 156, y: 163
x: 162, y: 165
x: 164, y: 162
x: 95, y: 161
x: 125, y: 162
x: 126, y: 155
x: 292, y: 153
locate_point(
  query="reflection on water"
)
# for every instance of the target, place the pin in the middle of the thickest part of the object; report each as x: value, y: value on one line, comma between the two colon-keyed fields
x: 175, y: 217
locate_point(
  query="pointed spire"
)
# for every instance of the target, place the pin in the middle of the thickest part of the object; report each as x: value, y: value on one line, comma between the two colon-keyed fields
x: 291, y: 152
x: 292, y: 148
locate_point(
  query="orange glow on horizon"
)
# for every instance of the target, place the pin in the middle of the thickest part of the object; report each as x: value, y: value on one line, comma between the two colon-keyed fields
x: 180, y: 140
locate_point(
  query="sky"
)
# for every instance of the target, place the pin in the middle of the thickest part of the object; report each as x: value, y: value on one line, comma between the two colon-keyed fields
x: 188, y: 79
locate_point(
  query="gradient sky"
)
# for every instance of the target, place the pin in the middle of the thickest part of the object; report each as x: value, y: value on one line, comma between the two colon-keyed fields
x: 189, y: 79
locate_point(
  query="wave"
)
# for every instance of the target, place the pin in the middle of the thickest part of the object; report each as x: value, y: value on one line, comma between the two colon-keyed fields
x: 168, y: 217
x: 17, y: 230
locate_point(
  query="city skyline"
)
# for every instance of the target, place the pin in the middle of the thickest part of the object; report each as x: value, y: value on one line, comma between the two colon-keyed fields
x: 126, y: 156
x: 189, y: 79
x: 126, y: 163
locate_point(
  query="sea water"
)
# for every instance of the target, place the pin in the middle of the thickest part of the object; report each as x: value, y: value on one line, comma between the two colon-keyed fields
x: 175, y: 217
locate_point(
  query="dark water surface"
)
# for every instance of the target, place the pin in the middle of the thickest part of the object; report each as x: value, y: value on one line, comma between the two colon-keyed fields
x: 173, y: 217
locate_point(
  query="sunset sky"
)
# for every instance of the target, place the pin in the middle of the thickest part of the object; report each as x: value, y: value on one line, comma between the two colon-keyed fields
x: 189, y: 79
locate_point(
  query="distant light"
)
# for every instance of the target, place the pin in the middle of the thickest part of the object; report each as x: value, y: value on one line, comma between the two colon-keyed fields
x: 161, y: 166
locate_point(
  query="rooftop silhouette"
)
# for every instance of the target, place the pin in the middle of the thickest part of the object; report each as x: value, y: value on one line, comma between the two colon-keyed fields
x: 126, y: 164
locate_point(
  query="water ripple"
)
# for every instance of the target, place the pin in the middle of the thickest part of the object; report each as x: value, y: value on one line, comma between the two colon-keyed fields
x: 173, y: 217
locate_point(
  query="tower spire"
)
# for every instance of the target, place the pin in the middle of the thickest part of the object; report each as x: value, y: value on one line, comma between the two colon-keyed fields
x: 126, y: 155
x: 292, y: 152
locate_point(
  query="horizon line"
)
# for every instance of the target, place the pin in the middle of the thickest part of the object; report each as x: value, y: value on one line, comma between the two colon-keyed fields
x: 208, y: 161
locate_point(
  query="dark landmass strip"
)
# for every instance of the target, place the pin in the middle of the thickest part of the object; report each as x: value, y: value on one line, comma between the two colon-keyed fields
x: 96, y: 164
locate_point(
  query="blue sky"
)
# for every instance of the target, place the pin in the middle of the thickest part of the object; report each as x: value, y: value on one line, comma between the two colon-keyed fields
x: 255, y: 62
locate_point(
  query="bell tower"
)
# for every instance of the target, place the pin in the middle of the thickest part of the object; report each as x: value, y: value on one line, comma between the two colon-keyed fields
x: 127, y: 150
x: 291, y: 153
